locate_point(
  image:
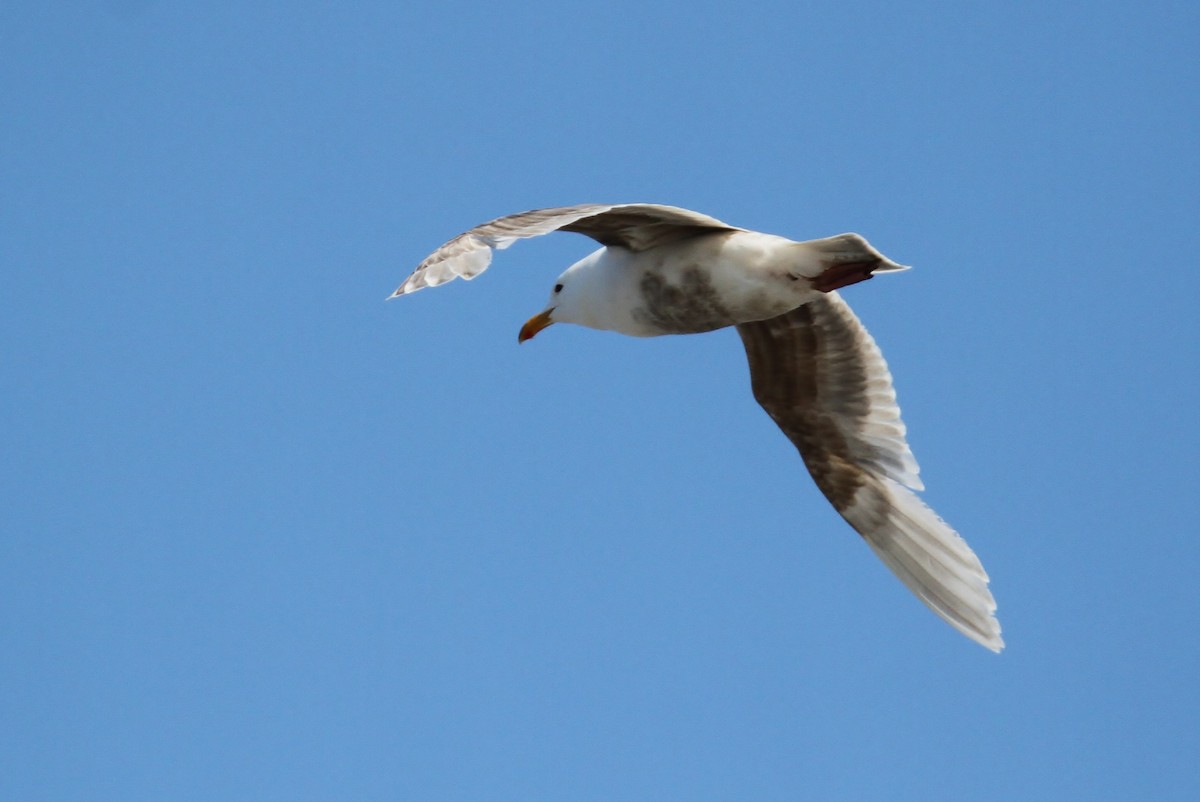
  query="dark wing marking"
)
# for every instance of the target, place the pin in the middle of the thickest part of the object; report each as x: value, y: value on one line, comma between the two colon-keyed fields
x: 636, y: 226
x: 821, y: 378
x: 642, y: 226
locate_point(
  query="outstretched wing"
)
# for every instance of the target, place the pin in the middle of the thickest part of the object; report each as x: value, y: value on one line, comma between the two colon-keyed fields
x: 636, y: 226
x: 820, y: 376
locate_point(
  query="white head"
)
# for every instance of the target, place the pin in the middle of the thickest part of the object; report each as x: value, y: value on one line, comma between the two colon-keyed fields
x: 578, y: 297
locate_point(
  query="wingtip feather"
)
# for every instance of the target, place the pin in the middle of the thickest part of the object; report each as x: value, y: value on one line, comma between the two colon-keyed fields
x: 929, y: 557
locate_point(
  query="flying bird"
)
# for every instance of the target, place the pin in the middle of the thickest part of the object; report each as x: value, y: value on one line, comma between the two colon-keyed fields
x: 813, y: 366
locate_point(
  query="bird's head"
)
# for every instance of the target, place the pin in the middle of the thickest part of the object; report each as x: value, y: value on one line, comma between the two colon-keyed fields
x: 557, y: 309
x: 577, y: 296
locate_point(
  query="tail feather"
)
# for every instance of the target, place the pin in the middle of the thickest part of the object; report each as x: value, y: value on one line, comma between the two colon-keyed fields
x: 849, y: 247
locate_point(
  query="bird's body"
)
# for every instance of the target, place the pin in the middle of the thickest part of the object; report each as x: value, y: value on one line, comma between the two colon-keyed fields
x: 710, y: 281
x: 813, y: 367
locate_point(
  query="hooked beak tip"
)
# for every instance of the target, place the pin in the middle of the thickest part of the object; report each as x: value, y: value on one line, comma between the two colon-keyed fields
x: 535, y: 324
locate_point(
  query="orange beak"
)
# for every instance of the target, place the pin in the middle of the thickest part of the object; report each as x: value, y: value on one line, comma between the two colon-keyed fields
x: 535, y: 324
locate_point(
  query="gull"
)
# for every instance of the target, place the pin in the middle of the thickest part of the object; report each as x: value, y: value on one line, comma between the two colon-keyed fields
x: 813, y: 366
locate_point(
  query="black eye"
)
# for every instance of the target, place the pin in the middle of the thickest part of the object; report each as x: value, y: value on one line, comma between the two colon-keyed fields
x: 558, y: 288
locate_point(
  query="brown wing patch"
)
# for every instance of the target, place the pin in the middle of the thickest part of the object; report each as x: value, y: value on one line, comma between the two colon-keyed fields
x: 638, y: 230
x: 794, y: 367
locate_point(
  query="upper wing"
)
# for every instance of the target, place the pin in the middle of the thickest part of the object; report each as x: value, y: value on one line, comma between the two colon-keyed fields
x: 820, y: 376
x: 636, y: 226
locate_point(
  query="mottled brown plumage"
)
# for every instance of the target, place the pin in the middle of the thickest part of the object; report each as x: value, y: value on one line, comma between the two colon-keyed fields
x: 785, y: 374
x: 821, y: 378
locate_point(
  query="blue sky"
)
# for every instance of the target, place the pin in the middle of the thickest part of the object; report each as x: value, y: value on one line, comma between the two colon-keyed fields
x: 267, y: 536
